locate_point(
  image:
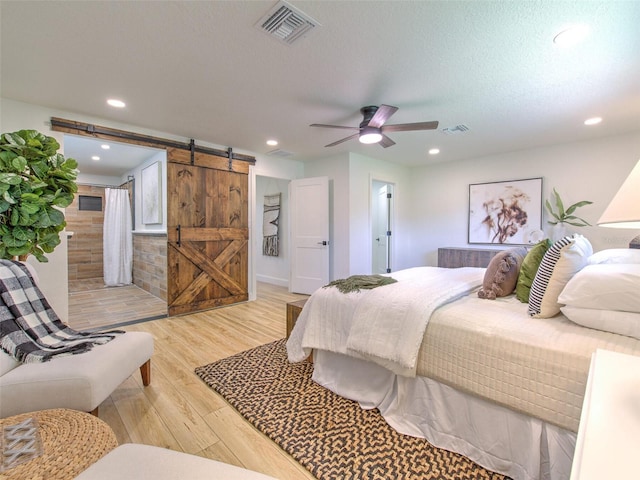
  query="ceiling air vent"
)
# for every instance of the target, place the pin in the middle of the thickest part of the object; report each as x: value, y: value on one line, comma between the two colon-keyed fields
x: 455, y: 130
x: 286, y: 23
x: 279, y: 153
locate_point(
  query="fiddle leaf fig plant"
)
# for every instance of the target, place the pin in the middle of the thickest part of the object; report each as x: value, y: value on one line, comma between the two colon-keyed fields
x: 560, y: 215
x: 35, y: 182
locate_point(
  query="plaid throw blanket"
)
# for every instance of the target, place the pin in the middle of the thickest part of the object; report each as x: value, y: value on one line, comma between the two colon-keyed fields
x: 30, y: 331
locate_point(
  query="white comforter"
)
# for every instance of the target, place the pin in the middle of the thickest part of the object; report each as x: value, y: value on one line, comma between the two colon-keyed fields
x: 384, y: 325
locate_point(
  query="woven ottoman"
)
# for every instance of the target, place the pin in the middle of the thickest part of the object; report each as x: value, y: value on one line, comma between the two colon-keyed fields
x: 144, y: 462
x: 69, y: 441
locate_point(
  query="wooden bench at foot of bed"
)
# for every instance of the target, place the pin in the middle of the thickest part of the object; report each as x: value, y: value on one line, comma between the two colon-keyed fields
x: 293, y: 311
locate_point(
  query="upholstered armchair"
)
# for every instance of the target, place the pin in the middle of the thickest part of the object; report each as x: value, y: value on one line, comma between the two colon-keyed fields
x: 80, y: 382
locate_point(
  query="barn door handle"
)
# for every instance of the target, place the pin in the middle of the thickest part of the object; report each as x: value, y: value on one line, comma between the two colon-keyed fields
x: 178, y: 230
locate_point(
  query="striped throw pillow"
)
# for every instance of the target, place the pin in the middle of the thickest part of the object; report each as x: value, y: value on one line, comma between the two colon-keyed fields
x: 563, y: 259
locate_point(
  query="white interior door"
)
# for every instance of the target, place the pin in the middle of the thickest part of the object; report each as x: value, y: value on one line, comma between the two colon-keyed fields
x: 309, y: 200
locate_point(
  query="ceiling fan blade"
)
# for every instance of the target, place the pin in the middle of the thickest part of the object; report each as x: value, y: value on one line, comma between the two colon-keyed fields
x: 407, y: 127
x: 386, y: 142
x: 383, y: 114
x: 333, y: 126
x: 343, y: 140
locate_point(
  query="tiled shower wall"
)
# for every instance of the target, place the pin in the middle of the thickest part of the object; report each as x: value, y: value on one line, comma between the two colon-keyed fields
x: 150, y: 263
x: 85, y: 246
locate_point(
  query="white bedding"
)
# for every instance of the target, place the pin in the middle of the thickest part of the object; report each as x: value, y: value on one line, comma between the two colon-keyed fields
x: 489, y: 348
x: 384, y: 325
x: 491, y: 382
x: 494, y: 350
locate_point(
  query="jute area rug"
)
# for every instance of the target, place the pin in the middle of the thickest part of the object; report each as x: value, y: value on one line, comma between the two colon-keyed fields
x: 330, y: 436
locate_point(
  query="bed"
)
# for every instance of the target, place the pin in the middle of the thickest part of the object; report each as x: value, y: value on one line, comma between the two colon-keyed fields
x: 488, y: 378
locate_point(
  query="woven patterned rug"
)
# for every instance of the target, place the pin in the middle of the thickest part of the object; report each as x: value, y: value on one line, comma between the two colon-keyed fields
x: 330, y: 436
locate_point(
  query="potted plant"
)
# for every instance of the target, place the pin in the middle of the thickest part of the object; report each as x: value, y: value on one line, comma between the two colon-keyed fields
x: 35, y: 183
x: 562, y: 217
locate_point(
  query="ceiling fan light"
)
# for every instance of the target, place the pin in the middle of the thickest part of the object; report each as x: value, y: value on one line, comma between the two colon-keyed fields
x: 370, y: 135
x: 369, y: 138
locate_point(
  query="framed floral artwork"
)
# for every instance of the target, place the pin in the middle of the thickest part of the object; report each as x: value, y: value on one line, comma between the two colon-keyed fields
x: 508, y: 212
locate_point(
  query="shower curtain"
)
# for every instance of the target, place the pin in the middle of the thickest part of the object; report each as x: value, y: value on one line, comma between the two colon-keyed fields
x: 117, y: 238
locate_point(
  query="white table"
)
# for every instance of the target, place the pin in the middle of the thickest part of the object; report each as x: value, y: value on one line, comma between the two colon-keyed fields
x: 608, y: 442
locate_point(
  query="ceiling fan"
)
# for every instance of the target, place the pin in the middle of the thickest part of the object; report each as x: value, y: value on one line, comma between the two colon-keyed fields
x: 372, y: 129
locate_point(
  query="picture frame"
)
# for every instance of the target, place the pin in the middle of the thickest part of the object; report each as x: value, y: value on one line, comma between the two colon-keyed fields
x: 506, y: 212
x: 151, y: 193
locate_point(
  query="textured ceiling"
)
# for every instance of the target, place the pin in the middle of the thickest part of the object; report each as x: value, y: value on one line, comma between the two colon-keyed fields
x: 202, y: 70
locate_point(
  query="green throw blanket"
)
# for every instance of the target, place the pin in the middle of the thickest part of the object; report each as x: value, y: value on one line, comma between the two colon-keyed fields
x: 356, y: 282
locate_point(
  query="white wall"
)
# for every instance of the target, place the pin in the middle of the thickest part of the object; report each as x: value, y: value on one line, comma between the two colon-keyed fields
x: 591, y: 170
x: 274, y: 270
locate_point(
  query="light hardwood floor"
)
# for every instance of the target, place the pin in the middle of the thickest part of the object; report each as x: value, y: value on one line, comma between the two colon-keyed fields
x: 93, y: 305
x: 178, y: 411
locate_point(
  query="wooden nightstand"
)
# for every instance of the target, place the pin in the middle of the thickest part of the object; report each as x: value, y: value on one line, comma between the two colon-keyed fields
x: 293, y: 311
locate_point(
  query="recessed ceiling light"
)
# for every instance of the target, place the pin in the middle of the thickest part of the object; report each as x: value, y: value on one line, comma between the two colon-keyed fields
x: 104, y: 146
x: 571, y: 36
x: 593, y: 121
x: 273, y: 143
x: 434, y: 151
x: 116, y: 103
x: 95, y: 157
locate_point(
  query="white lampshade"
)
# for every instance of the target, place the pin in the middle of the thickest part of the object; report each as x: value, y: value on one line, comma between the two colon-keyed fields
x: 624, y: 209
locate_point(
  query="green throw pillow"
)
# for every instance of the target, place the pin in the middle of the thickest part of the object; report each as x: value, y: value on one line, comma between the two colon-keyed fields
x: 529, y: 268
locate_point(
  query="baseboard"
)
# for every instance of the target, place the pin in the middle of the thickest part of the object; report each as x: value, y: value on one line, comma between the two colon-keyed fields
x: 281, y: 282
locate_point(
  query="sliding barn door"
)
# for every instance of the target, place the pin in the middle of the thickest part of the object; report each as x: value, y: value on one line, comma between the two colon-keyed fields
x: 207, y: 227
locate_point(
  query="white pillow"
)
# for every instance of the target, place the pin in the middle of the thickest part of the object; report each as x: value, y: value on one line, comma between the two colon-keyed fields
x: 563, y: 259
x: 615, y: 255
x: 606, y: 286
x: 622, y: 323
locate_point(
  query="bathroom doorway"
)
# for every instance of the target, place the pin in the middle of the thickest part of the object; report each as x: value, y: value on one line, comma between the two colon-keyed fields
x: 381, y: 226
x: 92, y: 304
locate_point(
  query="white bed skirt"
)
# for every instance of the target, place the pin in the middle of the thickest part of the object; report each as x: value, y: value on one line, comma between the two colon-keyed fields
x: 495, y: 437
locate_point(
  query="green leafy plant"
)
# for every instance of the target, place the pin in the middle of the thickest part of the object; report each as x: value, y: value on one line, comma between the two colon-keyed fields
x: 566, y: 216
x: 34, y: 180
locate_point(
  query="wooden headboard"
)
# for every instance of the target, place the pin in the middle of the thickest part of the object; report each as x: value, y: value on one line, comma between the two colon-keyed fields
x: 452, y: 257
